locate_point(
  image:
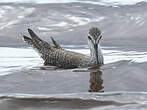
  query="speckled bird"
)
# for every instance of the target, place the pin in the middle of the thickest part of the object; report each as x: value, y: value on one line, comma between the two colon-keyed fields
x: 57, y: 56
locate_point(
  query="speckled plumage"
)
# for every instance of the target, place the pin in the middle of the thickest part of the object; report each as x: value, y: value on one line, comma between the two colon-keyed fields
x: 55, y: 55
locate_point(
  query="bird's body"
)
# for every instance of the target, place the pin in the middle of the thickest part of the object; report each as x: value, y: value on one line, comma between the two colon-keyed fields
x: 57, y: 56
x: 66, y: 59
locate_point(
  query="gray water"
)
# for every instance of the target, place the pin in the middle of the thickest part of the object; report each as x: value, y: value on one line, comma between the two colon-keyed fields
x: 87, y: 101
x: 29, y: 58
x: 24, y: 86
x: 101, y: 2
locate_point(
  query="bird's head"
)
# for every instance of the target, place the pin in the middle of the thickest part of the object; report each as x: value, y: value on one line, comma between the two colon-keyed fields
x: 94, y: 37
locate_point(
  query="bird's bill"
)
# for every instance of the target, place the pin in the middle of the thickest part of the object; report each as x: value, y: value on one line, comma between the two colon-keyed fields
x: 96, y: 49
x: 96, y: 53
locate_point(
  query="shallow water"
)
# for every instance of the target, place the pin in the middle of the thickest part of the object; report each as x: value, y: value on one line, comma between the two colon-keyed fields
x: 94, y: 101
x: 29, y: 58
x: 120, y: 84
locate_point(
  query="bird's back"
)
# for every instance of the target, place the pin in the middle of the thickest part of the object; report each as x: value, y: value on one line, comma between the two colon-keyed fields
x: 66, y: 59
x: 55, y: 55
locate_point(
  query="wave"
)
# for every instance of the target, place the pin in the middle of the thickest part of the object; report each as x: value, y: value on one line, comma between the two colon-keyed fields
x: 100, y: 2
x: 108, y: 97
x: 80, y: 101
x: 71, y: 23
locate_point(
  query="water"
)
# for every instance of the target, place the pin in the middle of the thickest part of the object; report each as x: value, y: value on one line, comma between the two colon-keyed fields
x: 18, y: 59
x: 29, y: 58
x: 101, y: 2
x: 88, y: 101
x: 119, y: 85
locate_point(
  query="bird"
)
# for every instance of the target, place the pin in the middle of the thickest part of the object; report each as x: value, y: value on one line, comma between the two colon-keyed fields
x: 55, y: 55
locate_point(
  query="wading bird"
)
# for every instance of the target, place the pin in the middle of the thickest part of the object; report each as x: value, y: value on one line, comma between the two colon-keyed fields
x: 57, y: 56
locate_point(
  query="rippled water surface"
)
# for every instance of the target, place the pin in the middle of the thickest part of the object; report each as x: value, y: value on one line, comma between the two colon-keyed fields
x: 107, y: 101
x: 12, y: 59
x: 102, y: 2
x: 120, y: 84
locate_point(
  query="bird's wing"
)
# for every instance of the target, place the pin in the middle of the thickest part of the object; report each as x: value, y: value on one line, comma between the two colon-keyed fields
x: 56, y: 45
x: 40, y: 45
x: 35, y: 41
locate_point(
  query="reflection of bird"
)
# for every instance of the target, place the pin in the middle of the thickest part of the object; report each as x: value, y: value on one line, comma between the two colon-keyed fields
x: 57, y: 56
x: 96, y: 81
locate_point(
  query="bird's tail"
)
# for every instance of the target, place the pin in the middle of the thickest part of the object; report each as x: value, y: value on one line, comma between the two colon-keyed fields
x: 36, y: 42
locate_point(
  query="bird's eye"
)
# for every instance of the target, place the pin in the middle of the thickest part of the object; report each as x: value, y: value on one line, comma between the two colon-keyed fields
x: 89, y: 38
x: 100, y: 36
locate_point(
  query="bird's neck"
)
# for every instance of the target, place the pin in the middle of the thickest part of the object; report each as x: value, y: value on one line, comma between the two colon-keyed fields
x: 93, y: 55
